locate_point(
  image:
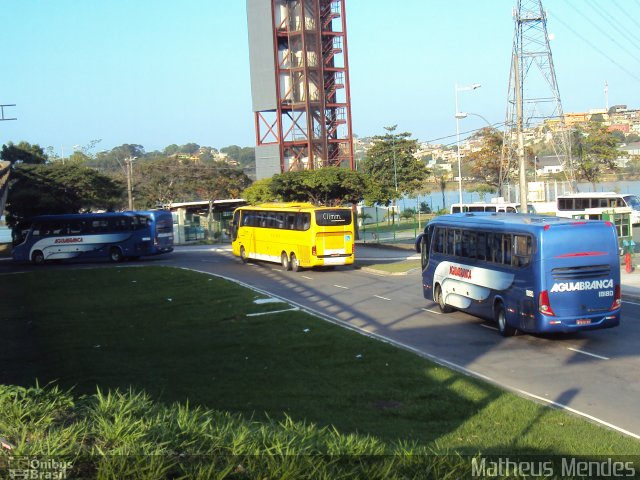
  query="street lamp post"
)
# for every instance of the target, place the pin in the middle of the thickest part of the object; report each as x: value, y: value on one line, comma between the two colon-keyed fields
x: 391, y: 130
x: 127, y: 169
x: 129, y: 164
x: 458, y: 116
x: 74, y: 148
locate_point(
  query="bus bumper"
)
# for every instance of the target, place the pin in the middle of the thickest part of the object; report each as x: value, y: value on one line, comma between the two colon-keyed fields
x: 577, y: 324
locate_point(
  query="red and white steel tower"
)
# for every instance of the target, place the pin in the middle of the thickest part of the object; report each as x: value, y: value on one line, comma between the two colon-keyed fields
x: 300, y: 85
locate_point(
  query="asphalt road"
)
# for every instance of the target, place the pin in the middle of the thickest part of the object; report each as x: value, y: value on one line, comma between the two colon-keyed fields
x: 594, y: 374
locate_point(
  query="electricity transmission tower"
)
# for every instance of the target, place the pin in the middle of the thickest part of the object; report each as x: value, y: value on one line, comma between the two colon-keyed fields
x: 534, y: 106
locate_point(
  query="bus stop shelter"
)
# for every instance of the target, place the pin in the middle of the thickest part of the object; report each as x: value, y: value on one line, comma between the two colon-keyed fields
x: 203, y: 221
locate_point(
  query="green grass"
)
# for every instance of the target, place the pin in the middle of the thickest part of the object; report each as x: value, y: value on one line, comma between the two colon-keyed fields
x: 173, y: 336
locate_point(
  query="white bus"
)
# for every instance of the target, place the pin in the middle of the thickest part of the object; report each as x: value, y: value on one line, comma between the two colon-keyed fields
x: 507, y: 207
x: 574, y: 204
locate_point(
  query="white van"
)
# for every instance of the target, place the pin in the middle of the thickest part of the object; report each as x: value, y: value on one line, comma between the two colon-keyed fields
x: 509, y: 207
x: 578, y: 203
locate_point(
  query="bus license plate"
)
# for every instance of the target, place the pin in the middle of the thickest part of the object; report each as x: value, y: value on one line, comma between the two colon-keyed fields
x: 583, y: 321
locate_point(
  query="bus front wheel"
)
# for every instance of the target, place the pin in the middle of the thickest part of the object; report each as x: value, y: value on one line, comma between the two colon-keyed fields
x: 284, y: 260
x: 295, y: 264
x: 243, y: 255
x: 439, y: 298
x: 37, y: 257
x: 115, y: 255
x: 504, y: 328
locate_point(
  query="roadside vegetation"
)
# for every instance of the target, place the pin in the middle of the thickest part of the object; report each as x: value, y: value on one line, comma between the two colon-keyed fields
x: 165, y: 373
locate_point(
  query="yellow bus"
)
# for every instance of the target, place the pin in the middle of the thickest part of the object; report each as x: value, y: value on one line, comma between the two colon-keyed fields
x: 296, y: 235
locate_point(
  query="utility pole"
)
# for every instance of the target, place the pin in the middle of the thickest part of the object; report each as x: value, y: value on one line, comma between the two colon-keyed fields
x: 537, y: 106
x: 128, y: 163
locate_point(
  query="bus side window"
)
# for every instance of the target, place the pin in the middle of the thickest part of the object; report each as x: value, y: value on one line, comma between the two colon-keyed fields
x: 494, y: 241
x: 438, y: 241
x: 490, y: 209
x: 507, y: 248
x: 522, y: 250
x: 465, y: 243
x: 36, y: 231
x: 303, y: 221
x: 74, y: 227
x: 511, y: 210
x: 271, y: 219
x: 450, y: 241
x: 472, y: 249
x: 291, y: 221
x: 482, y: 246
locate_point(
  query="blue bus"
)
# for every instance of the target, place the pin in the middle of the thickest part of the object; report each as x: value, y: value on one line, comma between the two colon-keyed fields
x: 116, y: 236
x: 528, y: 273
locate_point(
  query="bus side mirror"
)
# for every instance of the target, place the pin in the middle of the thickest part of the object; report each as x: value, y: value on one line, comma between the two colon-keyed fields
x: 419, y: 243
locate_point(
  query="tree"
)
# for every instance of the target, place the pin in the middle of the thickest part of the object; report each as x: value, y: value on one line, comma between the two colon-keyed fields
x: 330, y: 186
x: 594, y: 151
x: 219, y: 181
x: 159, y: 182
x: 23, y: 152
x: 171, y: 149
x: 59, y: 188
x: 259, y: 192
x: 189, y: 148
x: 392, y: 168
x: 485, y: 164
x: 112, y: 161
x: 483, y: 189
x: 245, y: 156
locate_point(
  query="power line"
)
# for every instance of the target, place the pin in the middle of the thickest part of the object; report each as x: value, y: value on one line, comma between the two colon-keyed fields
x: 618, y: 24
x: 494, y: 125
x: 628, y: 72
x: 600, y: 29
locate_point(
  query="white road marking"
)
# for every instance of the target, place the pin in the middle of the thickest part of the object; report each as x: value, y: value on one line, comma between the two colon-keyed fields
x: 587, y: 353
x: 490, y: 327
x: 274, y: 311
x: 308, y: 278
x: 431, y: 311
x: 340, y: 286
x: 382, y: 298
x: 631, y: 303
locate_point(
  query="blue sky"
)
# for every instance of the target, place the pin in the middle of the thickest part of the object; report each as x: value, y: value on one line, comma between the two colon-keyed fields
x: 161, y: 72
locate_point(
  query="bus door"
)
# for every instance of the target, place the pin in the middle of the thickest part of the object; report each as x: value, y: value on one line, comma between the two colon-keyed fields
x: 246, y: 236
x: 235, y: 223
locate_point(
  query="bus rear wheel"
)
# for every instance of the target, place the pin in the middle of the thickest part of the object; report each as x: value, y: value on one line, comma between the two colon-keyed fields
x: 439, y: 298
x: 284, y: 260
x: 37, y: 258
x: 295, y: 264
x: 115, y: 254
x: 504, y: 328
